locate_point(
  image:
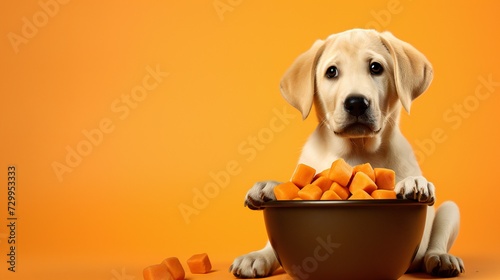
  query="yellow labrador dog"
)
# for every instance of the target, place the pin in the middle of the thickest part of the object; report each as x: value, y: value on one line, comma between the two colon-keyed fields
x: 358, y: 80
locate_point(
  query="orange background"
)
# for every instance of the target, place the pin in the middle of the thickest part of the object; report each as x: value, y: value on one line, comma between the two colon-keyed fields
x: 117, y: 211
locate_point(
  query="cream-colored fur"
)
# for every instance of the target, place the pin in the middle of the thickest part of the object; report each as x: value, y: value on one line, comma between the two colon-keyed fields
x: 372, y: 136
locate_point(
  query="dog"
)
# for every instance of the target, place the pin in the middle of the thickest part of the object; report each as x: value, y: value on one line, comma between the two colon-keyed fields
x: 359, y: 81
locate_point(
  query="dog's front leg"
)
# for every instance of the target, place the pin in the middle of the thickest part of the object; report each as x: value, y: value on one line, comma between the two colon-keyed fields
x: 263, y: 262
x: 444, y: 228
x: 256, y: 264
x: 437, y: 261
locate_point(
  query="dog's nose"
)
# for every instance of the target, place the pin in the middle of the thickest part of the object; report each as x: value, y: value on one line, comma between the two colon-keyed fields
x: 356, y: 105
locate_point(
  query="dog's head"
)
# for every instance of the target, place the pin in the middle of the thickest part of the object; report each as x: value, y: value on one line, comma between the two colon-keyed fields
x: 355, y: 79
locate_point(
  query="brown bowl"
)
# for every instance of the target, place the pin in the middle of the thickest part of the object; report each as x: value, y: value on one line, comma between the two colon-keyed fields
x: 358, y: 239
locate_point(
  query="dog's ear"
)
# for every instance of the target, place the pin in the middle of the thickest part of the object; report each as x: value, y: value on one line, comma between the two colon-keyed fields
x: 298, y: 83
x: 412, y: 71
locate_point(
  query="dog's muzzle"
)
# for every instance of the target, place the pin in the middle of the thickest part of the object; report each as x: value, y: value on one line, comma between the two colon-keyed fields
x: 360, y: 122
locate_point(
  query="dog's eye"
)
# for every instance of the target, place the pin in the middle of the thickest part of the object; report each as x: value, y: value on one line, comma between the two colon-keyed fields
x: 376, y: 68
x: 332, y: 72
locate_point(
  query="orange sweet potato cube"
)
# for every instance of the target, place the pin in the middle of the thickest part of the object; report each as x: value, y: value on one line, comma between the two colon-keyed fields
x: 360, y: 194
x: 175, y: 268
x: 310, y: 192
x: 157, y: 272
x: 323, y: 183
x: 199, y: 264
x: 361, y: 181
x: 330, y: 195
x: 303, y: 175
x: 286, y: 191
x: 340, y: 172
x: 365, y: 168
x: 342, y: 192
x: 385, y: 178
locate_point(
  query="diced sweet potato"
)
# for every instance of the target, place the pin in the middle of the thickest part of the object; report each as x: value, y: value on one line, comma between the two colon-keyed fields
x: 360, y: 194
x: 286, y: 191
x: 330, y: 195
x: 365, y: 168
x: 157, y: 272
x: 361, y: 181
x: 303, y: 175
x: 342, y: 192
x: 199, y: 264
x: 175, y: 268
x: 340, y: 172
x: 340, y: 181
x: 323, y: 183
x: 385, y: 178
x: 383, y: 194
x: 310, y: 192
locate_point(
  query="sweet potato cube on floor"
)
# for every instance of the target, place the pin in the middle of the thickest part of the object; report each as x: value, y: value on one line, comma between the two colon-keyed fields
x: 330, y: 195
x: 303, y: 175
x: 286, y: 191
x: 385, y: 178
x: 340, y: 172
x: 365, y: 168
x: 175, y: 268
x: 310, y: 192
x: 360, y: 194
x: 361, y: 181
x: 199, y: 264
x: 384, y: 194
x: 323, y: 183
x: 157, y: 272
x: 342, y: 192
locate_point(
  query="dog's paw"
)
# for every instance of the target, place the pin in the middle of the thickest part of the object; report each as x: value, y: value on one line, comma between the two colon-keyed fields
x: 254, y: 265
x: 260, y: 193
x: 443, y: 265
x: 416, y: 188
